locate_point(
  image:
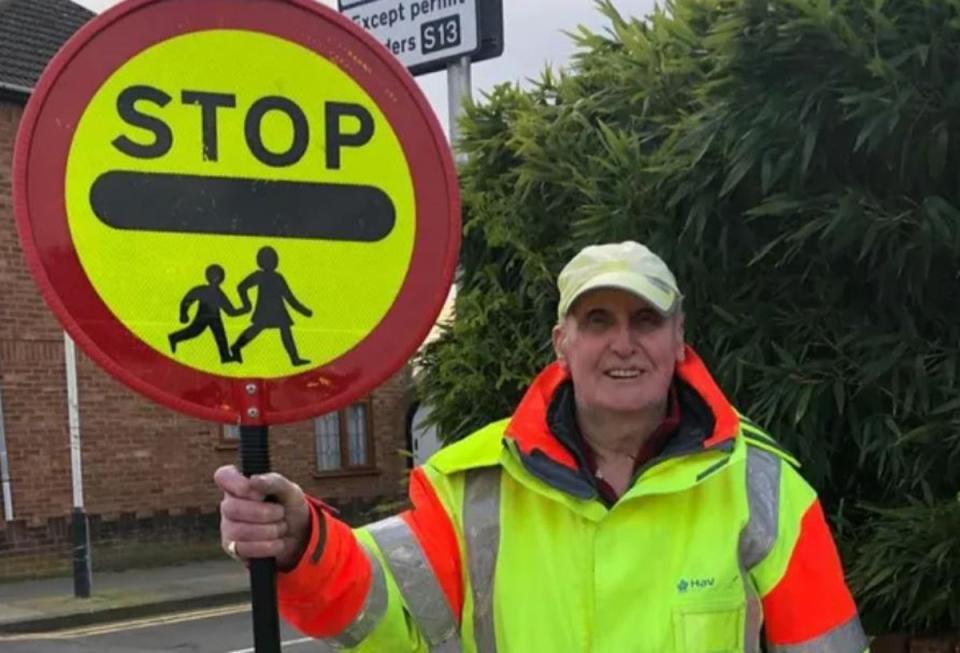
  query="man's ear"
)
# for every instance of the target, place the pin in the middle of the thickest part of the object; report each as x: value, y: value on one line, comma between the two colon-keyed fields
x: 681, y: 341
x: 558, y: 345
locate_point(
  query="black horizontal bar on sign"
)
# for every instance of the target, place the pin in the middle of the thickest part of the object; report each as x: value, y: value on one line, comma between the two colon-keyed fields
x: 233, y: 206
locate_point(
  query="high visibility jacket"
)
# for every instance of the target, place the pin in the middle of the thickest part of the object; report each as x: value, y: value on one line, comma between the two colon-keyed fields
x: 508, y: 549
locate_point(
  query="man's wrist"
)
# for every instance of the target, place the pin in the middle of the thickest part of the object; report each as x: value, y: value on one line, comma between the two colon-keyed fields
x: 316, y: 522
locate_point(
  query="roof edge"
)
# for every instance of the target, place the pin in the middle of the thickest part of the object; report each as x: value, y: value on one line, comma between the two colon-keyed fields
x: 15, y: 92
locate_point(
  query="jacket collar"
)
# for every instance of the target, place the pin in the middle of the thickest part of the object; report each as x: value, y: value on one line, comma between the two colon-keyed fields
x: 529, y: 425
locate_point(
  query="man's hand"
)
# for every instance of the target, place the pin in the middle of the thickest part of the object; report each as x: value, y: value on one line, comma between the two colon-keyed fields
x: 259, y: 528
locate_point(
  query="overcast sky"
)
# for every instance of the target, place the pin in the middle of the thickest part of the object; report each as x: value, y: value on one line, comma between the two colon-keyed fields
x: 533, y: 37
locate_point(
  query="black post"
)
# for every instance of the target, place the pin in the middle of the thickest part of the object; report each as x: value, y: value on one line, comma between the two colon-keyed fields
x: 255, y: 459
x: 81, y: 555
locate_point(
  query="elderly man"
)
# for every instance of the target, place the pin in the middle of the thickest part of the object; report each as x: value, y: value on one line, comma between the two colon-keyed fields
x: 625, y: 507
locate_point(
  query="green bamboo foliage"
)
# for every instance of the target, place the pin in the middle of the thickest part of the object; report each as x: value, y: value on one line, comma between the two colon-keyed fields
x: 797, y: 162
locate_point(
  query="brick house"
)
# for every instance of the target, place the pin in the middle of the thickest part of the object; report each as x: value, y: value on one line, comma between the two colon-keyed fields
x: 146, y: 470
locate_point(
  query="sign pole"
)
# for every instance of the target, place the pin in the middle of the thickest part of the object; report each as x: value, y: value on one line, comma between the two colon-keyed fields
x: 255, y: 459
x: 459, y: 87
x: 81, y: 534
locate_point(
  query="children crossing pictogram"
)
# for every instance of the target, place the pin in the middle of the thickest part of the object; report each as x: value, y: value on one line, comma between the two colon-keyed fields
x: 273, y: 295
x: 210, y: 300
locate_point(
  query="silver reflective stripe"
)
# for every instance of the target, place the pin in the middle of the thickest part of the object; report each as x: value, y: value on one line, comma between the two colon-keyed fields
x: 452, y: 645
x: 374, y: 607
x: 418, y: 584
x: 848, y: 638
x: 754, y: 621
x: 760, y: 533
x: 763, y: 499
x: 481, y: 528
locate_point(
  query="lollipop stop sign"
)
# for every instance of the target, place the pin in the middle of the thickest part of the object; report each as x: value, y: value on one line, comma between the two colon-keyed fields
x: 245, y: 211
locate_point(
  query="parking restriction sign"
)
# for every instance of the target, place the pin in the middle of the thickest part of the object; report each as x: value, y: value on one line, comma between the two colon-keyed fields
x: 427, y: 34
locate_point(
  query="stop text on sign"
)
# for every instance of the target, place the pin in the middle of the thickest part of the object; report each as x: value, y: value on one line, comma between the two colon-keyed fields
x: 131, y: 100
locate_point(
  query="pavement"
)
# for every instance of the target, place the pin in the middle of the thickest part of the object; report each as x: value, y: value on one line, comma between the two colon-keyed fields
x: 49, y: 604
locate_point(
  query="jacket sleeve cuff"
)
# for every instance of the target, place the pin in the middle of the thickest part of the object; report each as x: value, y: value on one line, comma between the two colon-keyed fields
x: 327, y: 588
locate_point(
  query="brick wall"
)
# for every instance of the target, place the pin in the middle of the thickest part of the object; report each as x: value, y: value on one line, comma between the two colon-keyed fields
x: 146, y: 469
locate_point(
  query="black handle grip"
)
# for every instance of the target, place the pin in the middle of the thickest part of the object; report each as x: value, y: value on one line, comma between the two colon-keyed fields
x: 255, y: 459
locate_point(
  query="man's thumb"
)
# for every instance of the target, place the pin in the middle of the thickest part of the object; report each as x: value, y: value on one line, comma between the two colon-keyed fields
x: 282, y: 489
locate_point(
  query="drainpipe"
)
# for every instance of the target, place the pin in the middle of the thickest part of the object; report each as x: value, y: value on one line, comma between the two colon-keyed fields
x: 81, y: 534
x: 5, y: 469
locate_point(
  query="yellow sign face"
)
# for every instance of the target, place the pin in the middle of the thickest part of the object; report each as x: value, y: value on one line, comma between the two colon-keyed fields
x: 224, y: 187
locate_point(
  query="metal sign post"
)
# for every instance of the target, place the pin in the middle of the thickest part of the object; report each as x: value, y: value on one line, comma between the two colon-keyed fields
x: 81, y: 533
x: 459, y: 89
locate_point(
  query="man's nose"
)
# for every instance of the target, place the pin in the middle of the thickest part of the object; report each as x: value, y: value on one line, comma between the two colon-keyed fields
x: 622, y: 341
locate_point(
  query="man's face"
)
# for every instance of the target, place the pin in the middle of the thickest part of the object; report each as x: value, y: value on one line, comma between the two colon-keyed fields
x: 620, y: 352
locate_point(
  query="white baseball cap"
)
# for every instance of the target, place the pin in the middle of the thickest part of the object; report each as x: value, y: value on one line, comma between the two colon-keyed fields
x: 628, y: 266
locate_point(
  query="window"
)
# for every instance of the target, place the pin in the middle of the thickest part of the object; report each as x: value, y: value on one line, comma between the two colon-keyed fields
x: 229, y: 436
x: 344, y: 439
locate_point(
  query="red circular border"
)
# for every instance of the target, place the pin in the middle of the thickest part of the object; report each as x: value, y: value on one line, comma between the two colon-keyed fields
x: 40, y: 156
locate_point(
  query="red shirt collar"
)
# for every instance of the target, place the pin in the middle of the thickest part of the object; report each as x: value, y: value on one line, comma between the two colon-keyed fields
x: 650, y: 448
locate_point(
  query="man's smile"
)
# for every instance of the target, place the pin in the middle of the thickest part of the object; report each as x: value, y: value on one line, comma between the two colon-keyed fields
x: 624, y: 373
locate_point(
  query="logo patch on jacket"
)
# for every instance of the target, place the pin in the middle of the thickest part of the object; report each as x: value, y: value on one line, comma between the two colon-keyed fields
x: 694, y: 584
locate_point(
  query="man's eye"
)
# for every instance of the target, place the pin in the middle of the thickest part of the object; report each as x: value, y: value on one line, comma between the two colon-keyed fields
x: 647, y: 319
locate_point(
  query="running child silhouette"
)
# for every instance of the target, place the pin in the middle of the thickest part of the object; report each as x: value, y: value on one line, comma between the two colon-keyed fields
x: 211, y: 300
x: 273, y: 294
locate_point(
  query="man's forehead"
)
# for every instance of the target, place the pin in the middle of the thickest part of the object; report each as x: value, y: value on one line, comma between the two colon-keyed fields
x: 609, y: 299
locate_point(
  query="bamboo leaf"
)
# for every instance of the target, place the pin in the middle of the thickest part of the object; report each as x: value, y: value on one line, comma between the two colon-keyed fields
x: 937, y: 150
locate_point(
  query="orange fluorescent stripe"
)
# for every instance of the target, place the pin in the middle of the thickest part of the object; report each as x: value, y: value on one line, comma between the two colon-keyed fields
x: 812, y: 598
x: 693, y: 371
x: 528, y: 426
x: 430, y: 523
x: 322, y: 598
